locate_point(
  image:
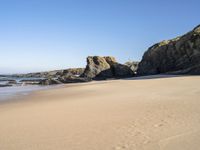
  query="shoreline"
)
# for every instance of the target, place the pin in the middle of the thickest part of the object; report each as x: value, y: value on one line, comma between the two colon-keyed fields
x: 27, y: 96
x: 21, y: 92
x: 149, y: 114
x: 23, y: 96
x: 30, y: 89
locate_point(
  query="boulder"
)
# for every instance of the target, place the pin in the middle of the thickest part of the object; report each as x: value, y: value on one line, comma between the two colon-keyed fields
x: 97, y: 66
x: 180, y: 55
x: 122, y: 71
x: 118, y: 70
x: 105, y: 67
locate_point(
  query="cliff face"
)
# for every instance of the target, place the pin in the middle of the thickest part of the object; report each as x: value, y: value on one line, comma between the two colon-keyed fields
x: 180, y: 55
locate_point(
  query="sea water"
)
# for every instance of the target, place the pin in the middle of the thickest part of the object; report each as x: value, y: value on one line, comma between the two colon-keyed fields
x: 18, y: 89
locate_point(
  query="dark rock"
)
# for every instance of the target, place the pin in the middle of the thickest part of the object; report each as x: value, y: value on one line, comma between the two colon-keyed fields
x: 180, y: 55
x: 133, y: 65
x: 110, y: 60
x: 73, y: 79
x: 51, y: 74
x: 105, y: 67
x: 73, y: 71
x: 49, y: 81
x: 31, y: 81
x: 9, y: 80
x: 12, y: 82
x: 122, y: 71
x: 5, y: 85
x: 97, y: 65
x: 195, y: 70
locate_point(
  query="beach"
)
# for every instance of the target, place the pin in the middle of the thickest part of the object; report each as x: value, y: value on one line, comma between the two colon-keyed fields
x: 144, y: 113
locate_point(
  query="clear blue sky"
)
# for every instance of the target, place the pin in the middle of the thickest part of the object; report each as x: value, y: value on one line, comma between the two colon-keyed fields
x: 38, y: 35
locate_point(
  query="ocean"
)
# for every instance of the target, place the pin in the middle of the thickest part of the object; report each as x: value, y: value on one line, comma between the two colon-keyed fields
x: 17, y: 89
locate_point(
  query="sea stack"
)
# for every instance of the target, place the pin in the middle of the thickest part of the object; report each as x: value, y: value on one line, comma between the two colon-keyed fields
x: 106, y: 67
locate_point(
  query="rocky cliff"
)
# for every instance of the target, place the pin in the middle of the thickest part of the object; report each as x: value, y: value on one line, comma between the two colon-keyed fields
x: 180, y: 55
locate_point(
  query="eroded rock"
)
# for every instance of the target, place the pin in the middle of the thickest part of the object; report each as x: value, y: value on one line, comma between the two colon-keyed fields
x: 105, y: 67
x: 50, y: 81
x: 181, y: 55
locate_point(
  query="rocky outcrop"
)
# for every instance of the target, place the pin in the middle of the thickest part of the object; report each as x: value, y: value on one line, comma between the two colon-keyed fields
x: 12, y: 82
x: 31, y: 81
x: 105, y: 67
x: 6, y: 82
x: 51, y: 74
x: 5, y: 85
x: 121, y: 71
x: 65, y: 76
x: 73, y: 71
x: 180, y: 55
x: 64, y: 80
x: 73, y: 79
x: 50, y: 81
x: 97, y: 66
x: 133, y: 65
x: 48, y: 74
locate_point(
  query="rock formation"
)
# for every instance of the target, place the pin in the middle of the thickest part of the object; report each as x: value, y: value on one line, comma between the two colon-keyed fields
x: 105, y: 67
x: 49, y: 81
x: 73, y: 79
x: 180, y: 55
x: 51, y: 74
x: 5, y: 85
x: 97, y: 66
x: 73, y: 71
x: 133, y: 65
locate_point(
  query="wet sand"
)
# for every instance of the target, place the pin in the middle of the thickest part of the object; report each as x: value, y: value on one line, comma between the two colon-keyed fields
x: 150, y: 113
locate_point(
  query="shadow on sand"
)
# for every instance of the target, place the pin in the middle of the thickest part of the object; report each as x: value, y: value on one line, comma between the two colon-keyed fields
x: 159, y: 76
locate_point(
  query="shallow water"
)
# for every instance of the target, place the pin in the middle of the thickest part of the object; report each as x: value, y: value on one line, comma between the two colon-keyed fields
x: 18, y: 90
x: 3, y: 79
x: 14, y: 91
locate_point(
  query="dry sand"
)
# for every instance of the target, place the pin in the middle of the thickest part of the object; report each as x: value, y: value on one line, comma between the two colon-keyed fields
x: 140, y: 114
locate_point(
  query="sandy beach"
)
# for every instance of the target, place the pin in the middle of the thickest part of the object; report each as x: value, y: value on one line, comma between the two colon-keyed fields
x: 134, y: 114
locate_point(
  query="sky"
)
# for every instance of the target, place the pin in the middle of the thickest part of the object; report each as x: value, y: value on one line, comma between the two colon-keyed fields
x: 40, y: 35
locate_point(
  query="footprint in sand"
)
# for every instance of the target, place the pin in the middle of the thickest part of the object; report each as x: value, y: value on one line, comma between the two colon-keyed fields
x: 184, y: 141
x: 123, y: 147
x: 160, y: 124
